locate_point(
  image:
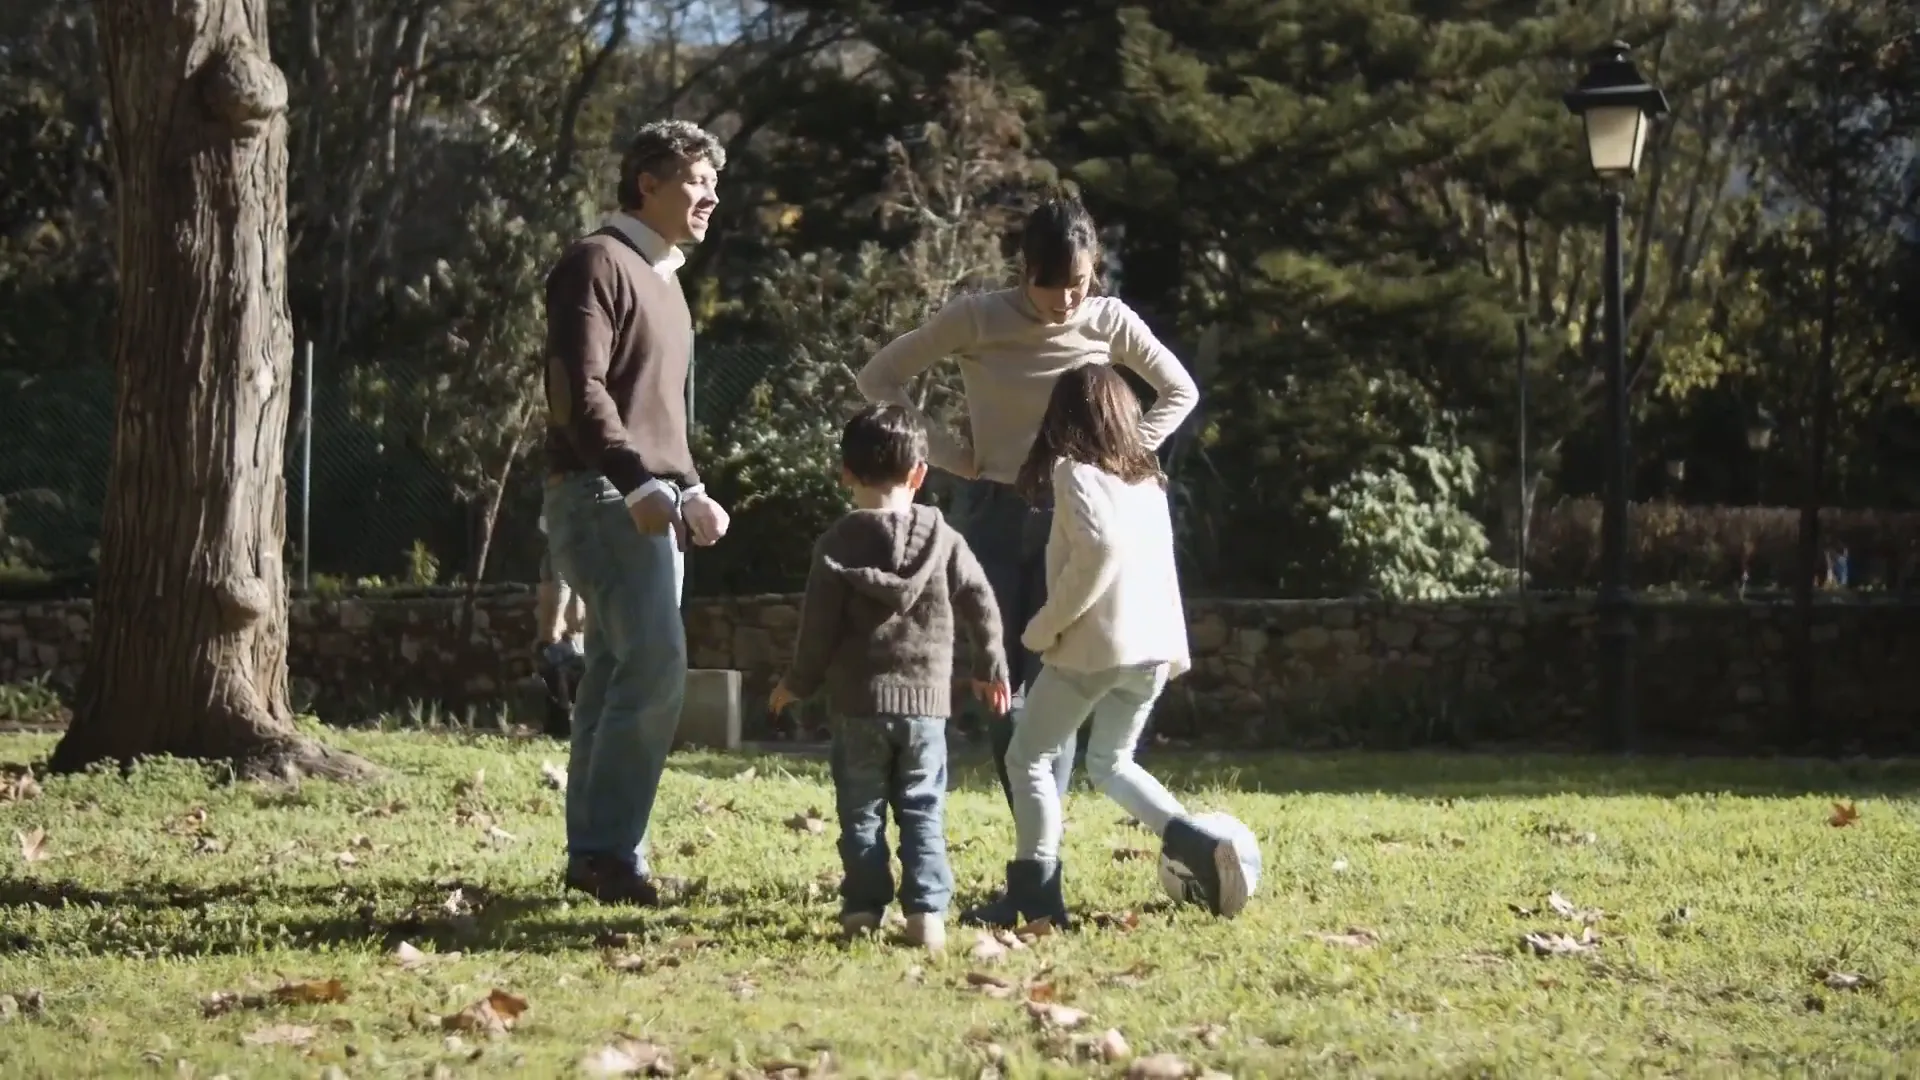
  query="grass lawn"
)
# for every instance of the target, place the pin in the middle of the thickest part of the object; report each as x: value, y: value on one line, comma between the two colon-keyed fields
x: 1729, y: 919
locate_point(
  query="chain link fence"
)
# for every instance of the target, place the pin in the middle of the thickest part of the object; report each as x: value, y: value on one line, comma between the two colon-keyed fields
x: 378, y: 507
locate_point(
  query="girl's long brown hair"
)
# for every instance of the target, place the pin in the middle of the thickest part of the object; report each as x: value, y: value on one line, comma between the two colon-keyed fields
x: 1094, y: 419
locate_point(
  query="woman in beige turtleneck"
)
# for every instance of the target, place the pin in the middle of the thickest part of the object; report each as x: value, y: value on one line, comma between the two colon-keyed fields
x: 1012, y: 345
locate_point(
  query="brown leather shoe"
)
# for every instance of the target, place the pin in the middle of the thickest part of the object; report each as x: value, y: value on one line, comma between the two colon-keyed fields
x: 611, y: 881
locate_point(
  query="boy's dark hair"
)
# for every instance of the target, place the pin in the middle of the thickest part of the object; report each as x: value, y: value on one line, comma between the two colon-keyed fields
x: 1094, y: 419
x: 882, y: 444
x: 661, y: 149
x: 1058, y: 233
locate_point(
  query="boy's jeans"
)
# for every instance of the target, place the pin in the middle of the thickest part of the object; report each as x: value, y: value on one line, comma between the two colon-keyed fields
x: 626, y: 706
x: 897, y: 761
x: 1009, y: 538
x: 1119, y: 700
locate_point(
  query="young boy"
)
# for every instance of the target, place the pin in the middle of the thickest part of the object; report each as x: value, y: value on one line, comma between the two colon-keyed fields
x: 877, y: 630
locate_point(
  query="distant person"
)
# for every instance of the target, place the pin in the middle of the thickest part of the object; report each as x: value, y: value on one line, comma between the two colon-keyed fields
x: 560, y: 655
x: 888, y: 583
x: 1112, y: 632
x: 1011, y: 345
x: 622, y: 495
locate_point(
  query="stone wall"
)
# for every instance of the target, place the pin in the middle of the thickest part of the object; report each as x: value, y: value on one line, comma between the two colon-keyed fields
x: 1301, y: 673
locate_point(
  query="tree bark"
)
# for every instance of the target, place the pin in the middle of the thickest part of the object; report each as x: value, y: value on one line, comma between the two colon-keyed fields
x: 188, y: 655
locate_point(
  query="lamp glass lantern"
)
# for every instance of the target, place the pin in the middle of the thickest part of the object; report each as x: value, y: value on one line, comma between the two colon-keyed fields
x: 1618, y: 106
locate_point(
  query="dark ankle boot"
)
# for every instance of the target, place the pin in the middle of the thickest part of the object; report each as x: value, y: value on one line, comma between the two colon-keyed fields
x: 1218, y: 882
x: 1033, y: 892
x: 1045, y: 900
x: 1003, y: 911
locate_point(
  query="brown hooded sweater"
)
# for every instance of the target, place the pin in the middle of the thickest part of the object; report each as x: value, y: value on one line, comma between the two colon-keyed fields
x: 877, y: 624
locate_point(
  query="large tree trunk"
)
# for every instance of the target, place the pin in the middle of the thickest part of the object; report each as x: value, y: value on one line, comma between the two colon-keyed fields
x: 189, y: 646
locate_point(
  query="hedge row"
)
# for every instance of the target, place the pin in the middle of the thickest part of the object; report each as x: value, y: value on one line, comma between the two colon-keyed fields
x: 1723, y: 547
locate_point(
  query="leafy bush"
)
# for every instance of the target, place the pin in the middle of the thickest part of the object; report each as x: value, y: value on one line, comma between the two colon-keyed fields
x: 1403, y: 531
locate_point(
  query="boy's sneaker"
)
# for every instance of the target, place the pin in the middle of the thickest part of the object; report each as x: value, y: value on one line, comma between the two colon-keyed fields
x: 856, y: 924
x: 927, y: 930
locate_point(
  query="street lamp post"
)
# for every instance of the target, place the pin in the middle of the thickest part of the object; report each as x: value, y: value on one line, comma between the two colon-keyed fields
x: 1617, y: 106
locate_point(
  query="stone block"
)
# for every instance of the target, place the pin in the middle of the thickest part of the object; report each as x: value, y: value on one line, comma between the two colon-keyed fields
x: 710, y: 718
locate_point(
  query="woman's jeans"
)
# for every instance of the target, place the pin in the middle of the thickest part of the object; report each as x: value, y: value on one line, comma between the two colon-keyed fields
x: 1119, y: 701
x: 1009, y: 538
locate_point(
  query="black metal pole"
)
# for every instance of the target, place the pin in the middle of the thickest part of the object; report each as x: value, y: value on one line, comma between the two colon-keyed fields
x: 1616, y: 630
x: 1520, y: 541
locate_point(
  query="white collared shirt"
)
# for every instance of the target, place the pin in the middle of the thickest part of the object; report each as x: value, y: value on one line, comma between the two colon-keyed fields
x: 664, y: 257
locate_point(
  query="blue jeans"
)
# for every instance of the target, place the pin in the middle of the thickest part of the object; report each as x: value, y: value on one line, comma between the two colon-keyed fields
x: 1008, y: 536
x: 626, y: 707
x: 898, y: 762
x: 1119, y: 700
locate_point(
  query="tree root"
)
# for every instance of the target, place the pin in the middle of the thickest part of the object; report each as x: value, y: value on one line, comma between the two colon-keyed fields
x: 295, y: 758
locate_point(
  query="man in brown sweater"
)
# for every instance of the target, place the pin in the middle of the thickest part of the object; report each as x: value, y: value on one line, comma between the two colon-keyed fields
x: 622, y: 495
x: 877, y: 632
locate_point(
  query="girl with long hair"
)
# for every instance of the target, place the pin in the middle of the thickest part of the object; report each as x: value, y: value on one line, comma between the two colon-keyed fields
x: 1111, y: 633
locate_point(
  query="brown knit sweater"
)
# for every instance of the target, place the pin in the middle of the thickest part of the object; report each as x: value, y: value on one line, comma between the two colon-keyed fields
x: 877, y: 624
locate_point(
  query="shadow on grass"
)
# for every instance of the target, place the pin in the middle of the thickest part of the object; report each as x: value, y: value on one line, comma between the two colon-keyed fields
x: 1419, y: 774
x: 154, y: 919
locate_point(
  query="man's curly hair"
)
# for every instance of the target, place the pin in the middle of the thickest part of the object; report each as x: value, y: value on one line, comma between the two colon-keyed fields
x: 660, y: 150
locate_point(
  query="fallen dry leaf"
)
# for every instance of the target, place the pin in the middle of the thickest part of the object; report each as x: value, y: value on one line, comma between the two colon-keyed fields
x: 1130, y: 854
x: 746, y: 774
x: 991, y: 985
x: 1546, y: 943
x: 346, y: 859
x: 282, y: 1035
x: 20, y: 788
x: 494, y: 1014
x: 413, y: 959
x: 702, y: 806
x: 1115, y: 920
x: 1846, y: 980
x: 809, y: 822
x: 311, y: 992
x: 1208, y: 1035
x: 1048, y: 1014
x: 638, y: 963
x: 33, y: 845
x: 473, y: 786
x: 553, y: 776
x: 1567, y: 909
x: 500, y: 835
x: 628, y: 1056
x: 1134, y: 977
x: 1160, y: 1067
x: 1354, y: 937
x: 1112, y: 1047
x: 1033, y: 931
x: 742, y: 987
x: 1844, y: 814
x: 988, y: 948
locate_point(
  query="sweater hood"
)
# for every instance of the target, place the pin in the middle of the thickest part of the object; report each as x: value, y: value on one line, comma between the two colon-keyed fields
x: 889, y: 557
